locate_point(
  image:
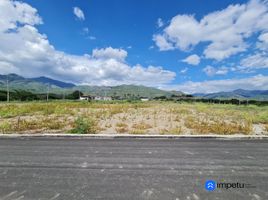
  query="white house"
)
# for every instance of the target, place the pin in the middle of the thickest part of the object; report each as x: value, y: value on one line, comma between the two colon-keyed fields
x: 100, y: 98
x: 107, y: 98
x: 144, y: 99
x: 84, y: 98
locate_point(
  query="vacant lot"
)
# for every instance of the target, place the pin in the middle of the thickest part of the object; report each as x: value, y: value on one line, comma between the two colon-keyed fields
x: 133, y: 118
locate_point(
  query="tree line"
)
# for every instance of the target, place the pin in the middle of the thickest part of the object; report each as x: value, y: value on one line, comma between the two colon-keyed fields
x: 22, y: 95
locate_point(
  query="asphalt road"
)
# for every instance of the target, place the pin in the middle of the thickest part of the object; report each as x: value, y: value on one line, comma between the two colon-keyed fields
x: 68, y: 168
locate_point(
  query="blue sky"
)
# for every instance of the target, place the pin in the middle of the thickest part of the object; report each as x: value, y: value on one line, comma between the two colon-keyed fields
x: 188, y: 45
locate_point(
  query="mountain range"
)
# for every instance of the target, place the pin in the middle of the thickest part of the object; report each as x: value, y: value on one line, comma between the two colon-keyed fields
x: 40, y: 85
x: 236, y: 94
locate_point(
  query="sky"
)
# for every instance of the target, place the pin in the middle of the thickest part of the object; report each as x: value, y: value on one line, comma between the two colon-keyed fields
x: 186, y: 45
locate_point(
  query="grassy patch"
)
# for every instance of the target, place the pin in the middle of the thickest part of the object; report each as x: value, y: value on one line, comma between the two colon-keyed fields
x: 84, y: 125
x: 219, y: 127
x: 266, y: 127
x: 141, y: 126
x: 172, y: 131
x: 121, y: 127
x: 141, y: 117
x: 6, y: 127
x: 137, y: 132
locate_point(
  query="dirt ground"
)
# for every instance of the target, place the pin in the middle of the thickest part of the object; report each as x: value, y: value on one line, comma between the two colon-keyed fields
x: 133, y: 118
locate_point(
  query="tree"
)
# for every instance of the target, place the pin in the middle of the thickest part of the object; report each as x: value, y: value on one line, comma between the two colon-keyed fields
x: 75, y: 95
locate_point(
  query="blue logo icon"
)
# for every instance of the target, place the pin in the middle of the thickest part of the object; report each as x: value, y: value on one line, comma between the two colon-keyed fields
x: 210, y: 185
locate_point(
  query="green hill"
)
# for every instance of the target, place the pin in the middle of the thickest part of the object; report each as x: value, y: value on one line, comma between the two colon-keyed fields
x: 40, y: 85
x: 125, y: 91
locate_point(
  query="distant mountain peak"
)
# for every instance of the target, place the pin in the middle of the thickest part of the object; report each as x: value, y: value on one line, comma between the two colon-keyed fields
x: 46, y: 80
x: 238, y: 93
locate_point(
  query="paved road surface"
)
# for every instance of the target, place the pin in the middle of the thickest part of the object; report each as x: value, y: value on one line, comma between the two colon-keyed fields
x: 68, y: 168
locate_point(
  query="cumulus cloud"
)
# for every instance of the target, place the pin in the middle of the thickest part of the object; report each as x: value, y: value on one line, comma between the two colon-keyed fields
x: 106, y: 53
x: 13, y: 12
x: 160, y: 23
x: 211, y: 71
x: 192, y: 59
x: 79, y: 13
x: 24, y: 50
x: 162, y: 43
x: 250, y: 83
x: 226, y: 31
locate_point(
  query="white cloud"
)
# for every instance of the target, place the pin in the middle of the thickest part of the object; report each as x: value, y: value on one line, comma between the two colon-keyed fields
x: 107, y: 53
x: 13, y: 12
x: 252, y: 83
x: 92, y: 37
x: 264, y: 37
x: 162, y: 43
x: 25, y: 51
x: 85, y: 30
x: 226, y: 30
x: 79, y: 13
x: 160, y: 23
x: 255, y: 61
x: 192, y: 59
x: 211, y: 71
x: 184, y: 71
x: 263, y: 42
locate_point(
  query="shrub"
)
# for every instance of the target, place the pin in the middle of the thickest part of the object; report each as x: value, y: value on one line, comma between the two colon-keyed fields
x: 6, y: 127
x: 84, y: 125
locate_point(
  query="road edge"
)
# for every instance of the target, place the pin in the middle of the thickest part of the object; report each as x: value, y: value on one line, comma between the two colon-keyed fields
x: 238, y: 136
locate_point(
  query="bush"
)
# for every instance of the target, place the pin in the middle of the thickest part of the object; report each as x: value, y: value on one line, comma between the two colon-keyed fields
x: 84, y: 125
x: 6, y: 127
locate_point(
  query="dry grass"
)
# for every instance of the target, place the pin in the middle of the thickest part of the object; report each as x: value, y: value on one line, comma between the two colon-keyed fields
x: 216, y: 126
x: 141, y: 126
x: 137, y: 132
x: 266, y: 127
x: 121, y: 127
x: 37, y: 125
x: 134, y: 118
x: 173, y: 131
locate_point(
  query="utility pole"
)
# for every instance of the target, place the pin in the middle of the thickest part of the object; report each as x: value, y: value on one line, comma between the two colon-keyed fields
x: 7, y: 90
x: 47, y: 92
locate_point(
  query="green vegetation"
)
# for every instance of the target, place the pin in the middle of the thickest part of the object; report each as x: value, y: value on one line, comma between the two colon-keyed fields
x: 153, y: 117
x: 39, y: 86
x: 84, y: 125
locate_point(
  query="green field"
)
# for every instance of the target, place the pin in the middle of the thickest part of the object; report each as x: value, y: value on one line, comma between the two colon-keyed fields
x: 133, y: 118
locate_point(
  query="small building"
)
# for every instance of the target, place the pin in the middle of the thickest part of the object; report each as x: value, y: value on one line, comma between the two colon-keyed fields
x: 107, y: 98
x: 97, y: 98
x: 85, y: 98
x: 144, y: 99
x: 102, y: 98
